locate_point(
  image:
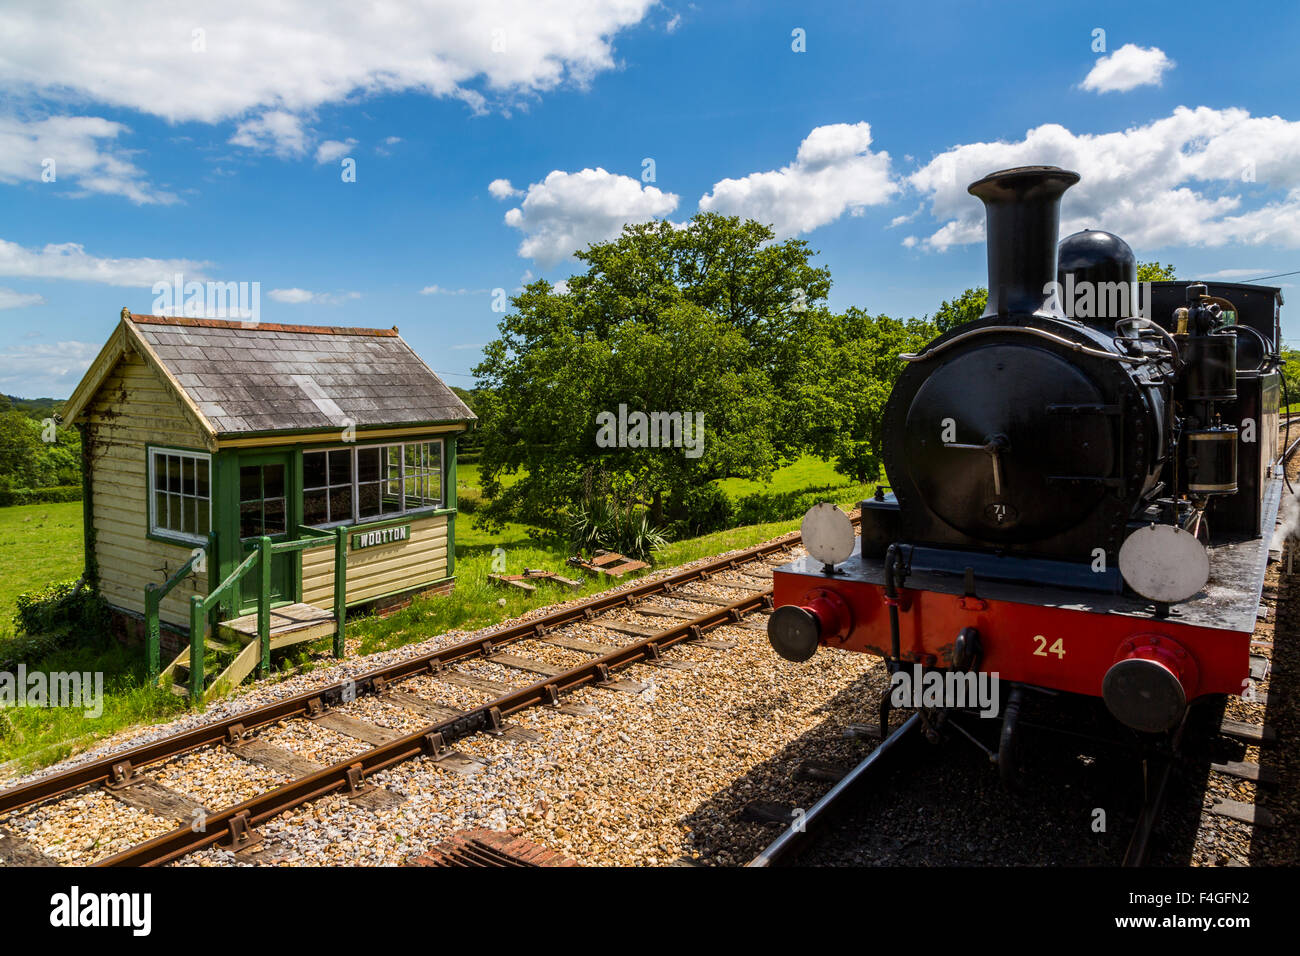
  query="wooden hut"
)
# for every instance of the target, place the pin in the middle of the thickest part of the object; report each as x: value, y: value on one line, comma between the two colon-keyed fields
x: 246, y: 484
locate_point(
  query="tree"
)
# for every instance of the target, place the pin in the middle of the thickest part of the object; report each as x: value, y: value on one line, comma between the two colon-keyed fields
x: 1155, y: 272
x: 846, y: 390
x: 693, y: 320
x: 966, y: 307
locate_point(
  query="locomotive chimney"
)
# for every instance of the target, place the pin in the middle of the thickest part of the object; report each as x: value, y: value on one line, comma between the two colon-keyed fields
x: 1023, y: 210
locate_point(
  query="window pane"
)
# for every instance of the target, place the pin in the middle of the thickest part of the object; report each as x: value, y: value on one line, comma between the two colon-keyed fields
x: 367, y: 464
x: 187, y: 475
x: 203, y: 525
x: 315, y: 507
x: 274, y: 511
x: 250, y: 519
x: 413, y: 455
x: 273, y: 481
x: 189, y: 523
x: 341, y: 503
x: 413, y: 495
x: 201, y: 478
x: 392, y: 503
x: 250, y: 483
x: 433, y: 488
x: 368, y: 500
x: 160, y: 509
x: 159, y: 472
x: 313, y: 469
x: 173, y: 473
x: 341, y: 467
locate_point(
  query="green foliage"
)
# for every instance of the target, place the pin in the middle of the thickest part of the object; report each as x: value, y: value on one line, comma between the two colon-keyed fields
x: 1155, y: 272
x: 702, y: 319
x: 34, y: 454
x: 966, y: 307
x: 703, y: 509
x: 604, y: 526
x: 852, y: 362
x: 36, y: 496
x: 60, y: 605
x: 468, y: 500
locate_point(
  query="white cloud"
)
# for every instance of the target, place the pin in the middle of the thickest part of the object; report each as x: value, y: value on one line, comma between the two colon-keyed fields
x: 672, y: 25
x: 69, y: 260
x: 297, y: 55
x: 501, y: 189
x: 275, y: 131
x: 436, y: 289
x: 1127, y: 68
x: 333, y: 149
x: 45, y: 370
x: 568, y: 211
x: 9, y: 299
x: 76, y: 149
x: 1182, y: 180
x: 301, y: 296
x: 834, y: 172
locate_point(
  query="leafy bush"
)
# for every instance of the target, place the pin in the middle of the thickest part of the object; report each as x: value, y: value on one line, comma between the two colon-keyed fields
x: 38, y: 496
x: 468, y: 500
x: 60, y: 605
x: 703, y: 509
x: 51, y: 619
x: 599, y: 526
x: 761, y: 509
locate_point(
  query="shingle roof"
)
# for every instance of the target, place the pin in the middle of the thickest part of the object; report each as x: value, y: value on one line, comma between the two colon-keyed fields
x: 272, y: 378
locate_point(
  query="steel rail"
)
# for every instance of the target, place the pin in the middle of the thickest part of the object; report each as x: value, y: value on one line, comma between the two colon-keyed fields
x: 103, y: 769
x: 427, y: 741
x: 784, y: 847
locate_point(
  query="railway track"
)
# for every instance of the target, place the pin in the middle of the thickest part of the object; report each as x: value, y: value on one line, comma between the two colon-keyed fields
x: 682, y: 614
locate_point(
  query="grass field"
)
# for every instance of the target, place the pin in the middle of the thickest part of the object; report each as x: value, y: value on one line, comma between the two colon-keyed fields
x: 39, y: 544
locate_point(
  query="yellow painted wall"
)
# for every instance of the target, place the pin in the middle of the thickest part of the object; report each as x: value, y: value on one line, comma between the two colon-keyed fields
x: 133, y: 408
x: 380, y: 569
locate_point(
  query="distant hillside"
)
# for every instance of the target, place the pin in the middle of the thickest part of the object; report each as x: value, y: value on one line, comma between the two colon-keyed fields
x: 36, y: 407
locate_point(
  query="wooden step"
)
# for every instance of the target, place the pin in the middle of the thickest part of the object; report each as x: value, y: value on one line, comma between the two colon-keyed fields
x: 1244, y: 812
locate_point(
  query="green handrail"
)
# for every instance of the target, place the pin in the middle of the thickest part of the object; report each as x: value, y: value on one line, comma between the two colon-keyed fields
x: 153, y: 598
x: 260, y: 558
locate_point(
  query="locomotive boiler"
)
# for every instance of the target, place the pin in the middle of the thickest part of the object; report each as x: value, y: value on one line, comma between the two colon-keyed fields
x: 1081, y: 482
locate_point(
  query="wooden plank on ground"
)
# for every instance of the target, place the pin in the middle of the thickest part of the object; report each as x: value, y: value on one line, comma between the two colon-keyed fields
x: 1246, y: 770
x: 1251, y: 733
x: 15, y: 851
x: 634, y: 629
x: 1245, y: 812
x: 519, y: 662
x: 354, y: 727
x: 146, y: 793
x: 276, y: 758
x: 578, y: 644
x: 667, y: 612
x: 419, y: 705
x: 475, y: 683
x: 700, y: 598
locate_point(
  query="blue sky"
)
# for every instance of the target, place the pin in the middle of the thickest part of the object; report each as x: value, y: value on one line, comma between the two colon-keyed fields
x: 210, y: 137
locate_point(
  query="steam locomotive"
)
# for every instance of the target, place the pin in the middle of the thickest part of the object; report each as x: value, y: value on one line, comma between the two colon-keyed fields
x: 1082, y: 483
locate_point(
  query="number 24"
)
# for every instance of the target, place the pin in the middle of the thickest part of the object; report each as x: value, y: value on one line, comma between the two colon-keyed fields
x: 1043, y: 650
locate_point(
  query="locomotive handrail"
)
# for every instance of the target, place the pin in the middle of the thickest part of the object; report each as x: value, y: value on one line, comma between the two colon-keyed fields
x: 990, y: 329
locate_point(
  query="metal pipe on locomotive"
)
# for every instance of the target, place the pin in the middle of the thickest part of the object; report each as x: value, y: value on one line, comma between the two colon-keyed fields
x: 1081, y: 484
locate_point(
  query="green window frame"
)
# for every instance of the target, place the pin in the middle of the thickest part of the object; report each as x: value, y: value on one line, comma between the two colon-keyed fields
x: 180, y: 494
x: 372, y: 482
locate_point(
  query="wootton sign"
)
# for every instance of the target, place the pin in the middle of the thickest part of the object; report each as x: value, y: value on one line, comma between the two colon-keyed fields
x: 369, y: 539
